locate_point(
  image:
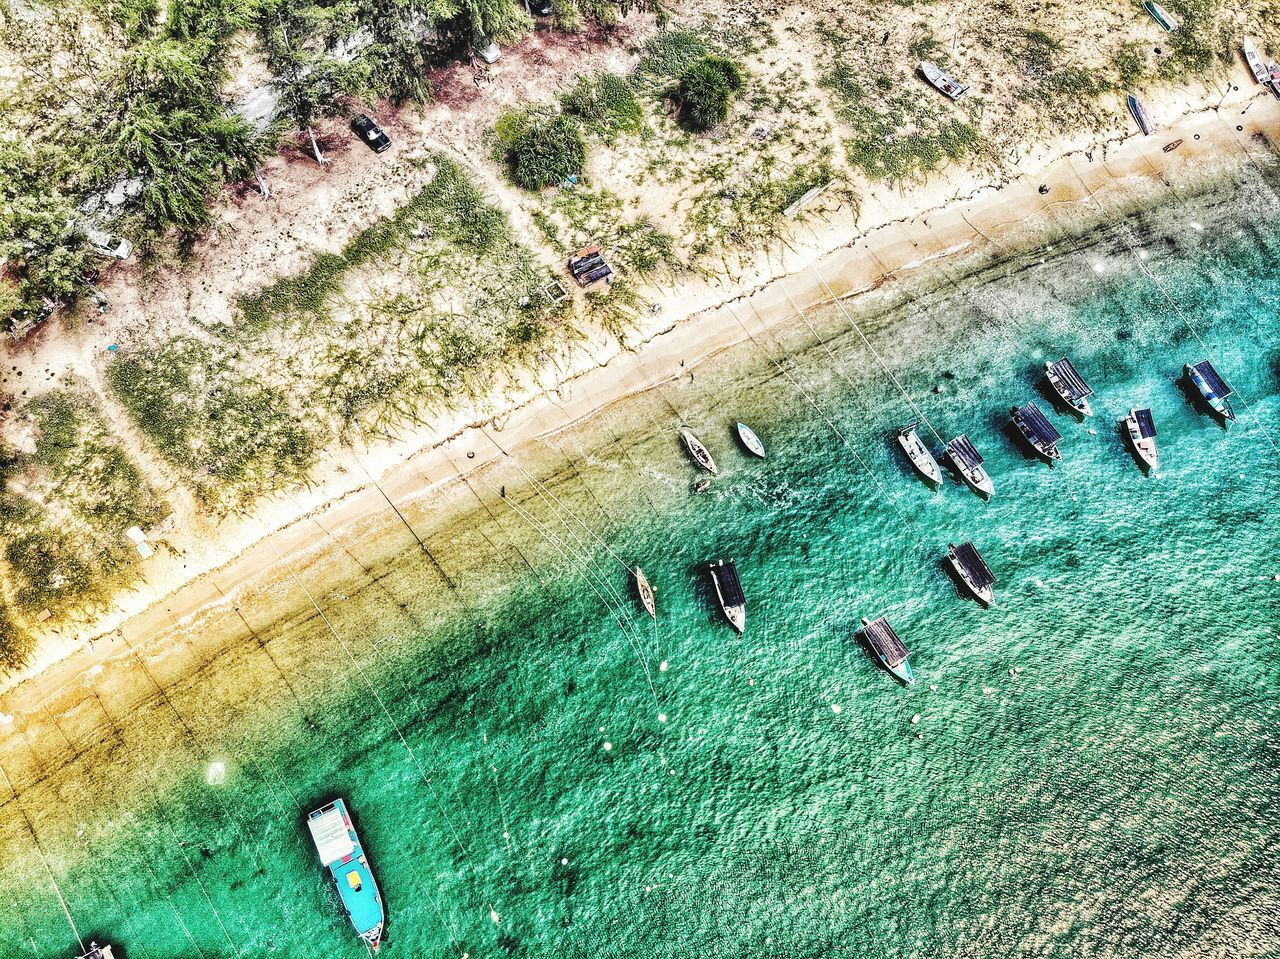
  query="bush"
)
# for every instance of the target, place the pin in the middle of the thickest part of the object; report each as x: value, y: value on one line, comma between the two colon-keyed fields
x: 607, y: 103
x: 705, y: 91
x: 547, y: 151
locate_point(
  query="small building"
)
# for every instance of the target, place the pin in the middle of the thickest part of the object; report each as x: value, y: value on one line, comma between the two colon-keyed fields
x: 588, y: 266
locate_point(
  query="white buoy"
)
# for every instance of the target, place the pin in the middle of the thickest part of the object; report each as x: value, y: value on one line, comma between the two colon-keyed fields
x: 1093, y: 432
x: 933, y: 687
x: 835, y: 707
x: 662, y: 717
x: 915, y: 719
x: 216, y: 774
x: 662, y: 666
x: 608, y: 747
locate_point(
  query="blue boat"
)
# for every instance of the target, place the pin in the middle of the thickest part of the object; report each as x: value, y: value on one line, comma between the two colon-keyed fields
x: 340, y: 850
x: 888, y: 648
x: 1140, y: 115
x: 1212, y: 387
x: 750, y: 440
x: 1162, y: 16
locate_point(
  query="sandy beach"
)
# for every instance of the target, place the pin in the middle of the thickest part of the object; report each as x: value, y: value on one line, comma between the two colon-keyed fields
x: 895, y: 236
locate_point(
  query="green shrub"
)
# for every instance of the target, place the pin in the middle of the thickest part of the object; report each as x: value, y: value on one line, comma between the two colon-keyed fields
x: 16, y: 644
x: 607, y: 103
x: 671, y: 52
x: 546, y: 152
x: 705, y: 91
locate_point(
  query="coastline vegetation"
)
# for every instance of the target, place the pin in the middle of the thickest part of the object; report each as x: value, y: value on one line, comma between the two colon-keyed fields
x: 65, y: 507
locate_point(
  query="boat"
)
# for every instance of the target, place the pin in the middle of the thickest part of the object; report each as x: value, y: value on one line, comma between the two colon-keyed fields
x: 941, y: 80
x: 1171, y: 146
x: 1162, y: 16
x: 1069, y: 385
x: 1140, y: 115
x: 888, y: 648
x: 340, y: 851
x: 1253, y: 58
x: 750, y: 440
x: 968, y: 463
x: 1212, y: 388
x: 646, y: 593
x: 1037, y: 430
x: 919, y: 454
x: 1264, y: 71
x: 729, y: 591
x: 97, y: 952
x: 973, y: 571
x: 1141, y: 430
x: 701, y: 455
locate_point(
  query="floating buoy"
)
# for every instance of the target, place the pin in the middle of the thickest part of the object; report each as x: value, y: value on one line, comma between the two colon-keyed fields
x: 915, y: 719
x: 933, y: 687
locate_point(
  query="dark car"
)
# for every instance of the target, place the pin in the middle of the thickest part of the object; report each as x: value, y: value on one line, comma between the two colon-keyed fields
x: 371, y: 134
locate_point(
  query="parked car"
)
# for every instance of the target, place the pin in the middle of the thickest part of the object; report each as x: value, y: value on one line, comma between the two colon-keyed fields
x: 489, y: 52
x: 104, y: 243
x: 371, y: 134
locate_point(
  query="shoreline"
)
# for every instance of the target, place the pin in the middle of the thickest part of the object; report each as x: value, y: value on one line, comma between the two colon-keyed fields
x: 813, y: 273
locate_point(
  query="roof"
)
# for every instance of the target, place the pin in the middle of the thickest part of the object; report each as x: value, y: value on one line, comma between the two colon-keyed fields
x: 331, y: 834
x: 881, y: 637
x: 726, y: 575
x: 1146, y: 425
x: 1217, y: 385
x: 1070, y: 379
x: 975, y: 569
x: 965, y: 451
x: 1038, y: 429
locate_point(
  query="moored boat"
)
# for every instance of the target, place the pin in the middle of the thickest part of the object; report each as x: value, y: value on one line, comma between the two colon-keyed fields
x: 97, y: 952
x: 973, y: 571
x: 888, y: 648
x: 701, y: 455
x: 646, y: 593
x: 919, y: 454
x: 1253, y: 59
x: 1212, y: 388
x: 1069, y: 385
x: 967, y: 461
x: 724, y: 574
x: 1162, y: 16
x: 941, y: 80
x: 1037, y: 430
x: 1140, y: 115
x: 1140, y: 429
x: 750, y: 440
x: 340, y: 851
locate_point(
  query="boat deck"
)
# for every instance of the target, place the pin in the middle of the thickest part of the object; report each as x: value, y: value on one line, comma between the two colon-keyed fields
x: 885, y: 642
x: 340, y: 850
x: 974, y: 566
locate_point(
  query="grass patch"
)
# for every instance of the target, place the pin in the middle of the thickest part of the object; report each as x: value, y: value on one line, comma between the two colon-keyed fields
x: 235, y: 435
x: 16, y: 644
x: 65, y: 509
x: 607, y: 104
x: 669, y: 53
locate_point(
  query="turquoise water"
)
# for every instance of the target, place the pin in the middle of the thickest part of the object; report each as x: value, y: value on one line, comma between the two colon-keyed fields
x: 1092, y: 772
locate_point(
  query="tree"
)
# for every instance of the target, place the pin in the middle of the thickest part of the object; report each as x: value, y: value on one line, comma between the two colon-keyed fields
x: 44, y: 257
x: 310, y: 80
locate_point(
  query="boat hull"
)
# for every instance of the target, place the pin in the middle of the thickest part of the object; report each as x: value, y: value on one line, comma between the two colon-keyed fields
x: 921, y: 459
x: 1218, y: 405
x: 698, y: 451
x: 750, y: 440
x: 985, y: 595
x: 977, y: 480
x: 646, y: 593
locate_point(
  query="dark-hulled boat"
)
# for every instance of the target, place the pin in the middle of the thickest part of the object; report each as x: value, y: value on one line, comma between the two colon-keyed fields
x: 1037, y: 430
x: 1212, y: 388
x: 888, y: 648
x: 1140, y: 115
x: 967, y: 461
x: 919, y: 454
x: 1070, y: 387
x: 724, y: 574
x: 1140, y: 430
x: 973, y: 571
x: 701, y: 455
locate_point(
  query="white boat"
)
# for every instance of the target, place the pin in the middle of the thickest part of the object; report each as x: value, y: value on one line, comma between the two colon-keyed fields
x: 941, y: 80
x: 701, y: 455
x: 646, y: 593
x: 919, y: 454
x: 1140, y: 115
x: 973, y: 571
x: 729, y: 591
x: 1162, y: 16
x: 750, y: 440
x: 1069, y: 385
x: 1141, y: 430
x: 967, y: 461
x: 1253, y: 57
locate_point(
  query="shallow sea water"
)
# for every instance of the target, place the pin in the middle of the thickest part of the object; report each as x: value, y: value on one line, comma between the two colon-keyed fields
x: 1093, y: 771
